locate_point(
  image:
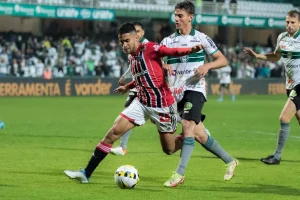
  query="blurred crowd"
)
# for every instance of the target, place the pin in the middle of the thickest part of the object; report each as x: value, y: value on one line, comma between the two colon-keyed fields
x: 244, y: 66
x: 24, y: 55
x: 29, y: 56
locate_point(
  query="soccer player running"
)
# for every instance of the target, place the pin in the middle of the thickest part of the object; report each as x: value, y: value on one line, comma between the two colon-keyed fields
x: 187, y: 83
x: 287, y: 48
x: 122, y: 149
x: 225, y: 80
x: 154, y: 100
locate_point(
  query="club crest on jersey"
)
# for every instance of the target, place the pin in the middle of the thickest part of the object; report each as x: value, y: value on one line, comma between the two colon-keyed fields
x: 184, y: 59
x: 156, y: 47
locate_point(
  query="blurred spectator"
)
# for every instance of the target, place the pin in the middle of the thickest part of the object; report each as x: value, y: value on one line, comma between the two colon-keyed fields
x: 47, y: 73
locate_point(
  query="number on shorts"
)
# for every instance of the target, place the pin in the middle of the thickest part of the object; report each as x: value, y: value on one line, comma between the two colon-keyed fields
x: 164, y: 117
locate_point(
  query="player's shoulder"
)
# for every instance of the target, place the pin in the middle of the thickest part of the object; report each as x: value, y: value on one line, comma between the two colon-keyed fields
x: 200, y: 34
x: 150, y: 46
x: 170, y: 37
x: 282, y: 35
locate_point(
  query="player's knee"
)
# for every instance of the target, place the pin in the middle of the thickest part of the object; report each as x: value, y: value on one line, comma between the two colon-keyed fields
x: 114, y: 133
x: 284, y: 119
x: 168, y: 151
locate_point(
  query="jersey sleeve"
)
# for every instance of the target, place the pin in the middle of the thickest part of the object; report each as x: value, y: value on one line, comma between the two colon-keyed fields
x: 165, y: 51
x: 210, y: 46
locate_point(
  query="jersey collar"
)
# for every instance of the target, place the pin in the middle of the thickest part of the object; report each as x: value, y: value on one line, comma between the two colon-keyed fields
x: 297, y: 34
x: 192, y: 33
x: 141, y: 46
x: 142, y: 40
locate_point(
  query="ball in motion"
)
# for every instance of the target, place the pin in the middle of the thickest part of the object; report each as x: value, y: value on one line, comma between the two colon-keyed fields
x: 2, y: 125
x: 126, y: 177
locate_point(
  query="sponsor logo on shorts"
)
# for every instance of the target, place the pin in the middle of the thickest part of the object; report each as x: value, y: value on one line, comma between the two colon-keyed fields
x: 293, y: 94
x: 187, y: 106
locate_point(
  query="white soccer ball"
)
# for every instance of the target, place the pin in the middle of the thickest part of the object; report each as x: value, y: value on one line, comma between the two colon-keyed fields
x: 126, y: 177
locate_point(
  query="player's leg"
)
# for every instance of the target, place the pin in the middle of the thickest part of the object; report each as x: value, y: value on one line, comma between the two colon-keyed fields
x: 166, y: 123
x: 122, y: 149
x: 191, y: 105
x: 231, y: 93
x: 221, y: 93
x: 131, y: 116
x: 289, y: 110
x: 212, y: 145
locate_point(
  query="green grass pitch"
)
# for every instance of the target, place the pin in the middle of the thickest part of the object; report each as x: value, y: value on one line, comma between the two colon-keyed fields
x: 44, y: 136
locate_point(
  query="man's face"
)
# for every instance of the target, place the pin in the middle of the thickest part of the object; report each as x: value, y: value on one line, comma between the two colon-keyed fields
x: 129, y: 42
x: 139, y: 31
x: 292, y: 24
x: 182, y: 19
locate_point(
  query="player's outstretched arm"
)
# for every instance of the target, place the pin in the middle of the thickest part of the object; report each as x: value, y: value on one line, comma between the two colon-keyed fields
x: 177, y: 52
x: 275, y: 56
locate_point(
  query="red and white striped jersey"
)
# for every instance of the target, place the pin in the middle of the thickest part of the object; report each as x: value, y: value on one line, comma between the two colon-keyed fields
x: 149, y: 78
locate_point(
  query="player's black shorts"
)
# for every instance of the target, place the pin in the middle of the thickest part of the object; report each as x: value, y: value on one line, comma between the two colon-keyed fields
x: 132, y: 95
x: 191, y: 105
x: 294, y: 95
x: 224, y: 85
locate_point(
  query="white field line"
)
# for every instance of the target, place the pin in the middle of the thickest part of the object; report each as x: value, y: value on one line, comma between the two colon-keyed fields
x: 265, y: 133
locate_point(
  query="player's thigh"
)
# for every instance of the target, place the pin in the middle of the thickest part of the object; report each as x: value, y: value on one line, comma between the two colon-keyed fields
x: 131, y: 96
x: 291, y: 106
x: 191, y: 106
x: 120, y: 126
x: 165, y: 118
x: 135, y: 113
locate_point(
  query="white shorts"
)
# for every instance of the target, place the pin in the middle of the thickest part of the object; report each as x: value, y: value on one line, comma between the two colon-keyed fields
x: 164, y: 118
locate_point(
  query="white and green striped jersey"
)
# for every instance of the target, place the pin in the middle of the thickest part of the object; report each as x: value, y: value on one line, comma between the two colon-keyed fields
x: 183, y: 67
x: 289, y: 47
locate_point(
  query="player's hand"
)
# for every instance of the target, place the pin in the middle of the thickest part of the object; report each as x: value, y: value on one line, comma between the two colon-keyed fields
x: 249, y: 51
x: 197, y: 48
x: 122, y: 80
x: 168, y: 68
x: 202, y: 70
x: 121, y: 89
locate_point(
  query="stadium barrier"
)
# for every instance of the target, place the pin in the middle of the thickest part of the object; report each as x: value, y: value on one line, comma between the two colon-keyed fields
x: 98, y: 87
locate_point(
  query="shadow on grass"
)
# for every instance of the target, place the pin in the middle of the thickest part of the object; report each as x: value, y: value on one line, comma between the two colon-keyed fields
x: 67, y: 149
x: 248, y: 159
x: 56, y: 136
x: 6, y: 185
x: 259, y: 188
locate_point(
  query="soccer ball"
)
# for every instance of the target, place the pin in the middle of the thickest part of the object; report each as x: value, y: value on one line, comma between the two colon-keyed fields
x: 2, y: 125
x: 126, y: 177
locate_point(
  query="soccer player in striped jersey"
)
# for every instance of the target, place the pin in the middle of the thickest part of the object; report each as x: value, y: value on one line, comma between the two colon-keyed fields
x: 287, y: 49
x: 122, y: 149
x: 154, y: 101
x: 188, y: 85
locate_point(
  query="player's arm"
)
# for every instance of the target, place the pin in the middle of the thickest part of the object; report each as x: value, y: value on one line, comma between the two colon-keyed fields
x: 218, y: 57
x: 177, y: 52
x: 122, y: 78
x: 125, y: 88
x: 274, y: 56
x: 219, y: 61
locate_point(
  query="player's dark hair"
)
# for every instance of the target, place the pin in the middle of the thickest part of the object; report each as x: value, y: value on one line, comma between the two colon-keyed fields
x: 138, y: 24
x: 126, y: 28
x: 187, y: 6
x: 294, y: 13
